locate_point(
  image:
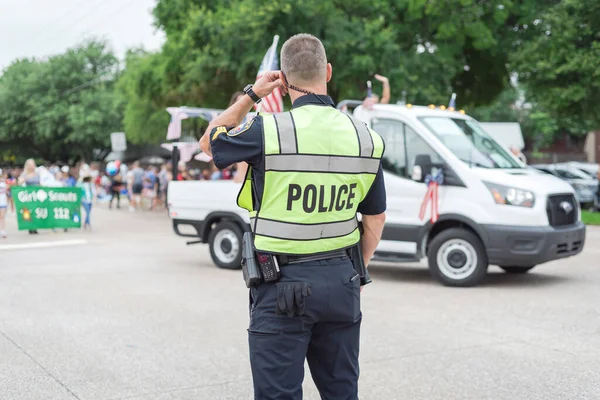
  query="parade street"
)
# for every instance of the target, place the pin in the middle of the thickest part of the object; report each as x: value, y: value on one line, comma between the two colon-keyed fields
x: 128, y: 311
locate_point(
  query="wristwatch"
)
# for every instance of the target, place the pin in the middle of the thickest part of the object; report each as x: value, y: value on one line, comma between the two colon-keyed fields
x: 248, y: 90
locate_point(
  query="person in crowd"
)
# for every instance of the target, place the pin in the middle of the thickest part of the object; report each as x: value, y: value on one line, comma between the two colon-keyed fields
x: 30, y: 177
x: 95, y: 174
x: 227, y: 173
x: 182, y: 173
x: 137, y: 186
x: 206, y: 174
x: 164, y: 177
x: 385, y: 96
x: 151, y: 186
x: 3, y: 202
x: 11, y: 181
x: 116, y: 185
x: 88, y: 194
x: 129, y: 178
x: 71, y: 180
x: 215, y: 172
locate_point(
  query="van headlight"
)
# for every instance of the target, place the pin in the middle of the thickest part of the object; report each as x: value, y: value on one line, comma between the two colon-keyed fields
x: 511, y: 196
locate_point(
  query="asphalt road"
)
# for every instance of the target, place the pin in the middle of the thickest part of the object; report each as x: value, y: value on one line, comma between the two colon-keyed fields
x: 129, y: 312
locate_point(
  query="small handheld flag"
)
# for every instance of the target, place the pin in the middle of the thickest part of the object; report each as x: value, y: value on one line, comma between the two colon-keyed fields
x: 452, y: 104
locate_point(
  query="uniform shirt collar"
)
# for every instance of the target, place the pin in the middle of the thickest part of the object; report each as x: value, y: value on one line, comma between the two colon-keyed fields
x: 313, y: 99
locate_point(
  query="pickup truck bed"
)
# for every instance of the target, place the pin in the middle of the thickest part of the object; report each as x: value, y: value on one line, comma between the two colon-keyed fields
x: 210, y: 208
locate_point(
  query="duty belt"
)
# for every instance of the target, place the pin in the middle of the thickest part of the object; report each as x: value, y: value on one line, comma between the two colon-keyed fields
x: 291, y: 259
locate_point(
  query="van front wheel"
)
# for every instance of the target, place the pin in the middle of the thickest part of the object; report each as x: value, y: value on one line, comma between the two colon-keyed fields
x: 457, y: 258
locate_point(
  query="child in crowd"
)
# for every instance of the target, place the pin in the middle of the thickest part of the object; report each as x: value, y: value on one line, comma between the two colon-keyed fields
x: 3, y: 202
x: 10, y: 182
x: 87, y: 198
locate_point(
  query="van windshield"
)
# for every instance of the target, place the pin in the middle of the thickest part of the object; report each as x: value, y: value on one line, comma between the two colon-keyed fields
x: 469, y: 142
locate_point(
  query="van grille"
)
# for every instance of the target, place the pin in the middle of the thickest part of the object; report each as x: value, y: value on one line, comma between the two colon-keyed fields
x: 557, y: 215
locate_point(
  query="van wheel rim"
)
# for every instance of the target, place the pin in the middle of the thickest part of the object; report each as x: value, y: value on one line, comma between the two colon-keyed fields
x: 226, y: 246
x: 457, y: 259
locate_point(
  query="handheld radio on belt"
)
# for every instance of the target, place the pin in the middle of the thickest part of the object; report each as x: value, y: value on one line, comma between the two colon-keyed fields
x: 250, y: 269
x: 256, y: 266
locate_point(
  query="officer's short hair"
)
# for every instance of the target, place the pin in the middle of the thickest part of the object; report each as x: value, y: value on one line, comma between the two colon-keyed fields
x: 303, y: 59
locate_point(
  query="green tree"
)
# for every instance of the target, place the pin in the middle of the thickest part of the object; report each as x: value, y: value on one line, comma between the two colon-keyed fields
x: 559, y: 65
x: 140, y: 88
x: 62, y: 108
x: 427, y: 49
x: 511, y: 106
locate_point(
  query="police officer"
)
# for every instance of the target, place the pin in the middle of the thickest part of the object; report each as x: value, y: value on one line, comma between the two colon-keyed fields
x: 311, y: 170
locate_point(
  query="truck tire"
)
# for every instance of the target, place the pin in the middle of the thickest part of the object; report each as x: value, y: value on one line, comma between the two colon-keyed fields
x: 457, y: 258
x: 225, y: 243
x: 516, y: 270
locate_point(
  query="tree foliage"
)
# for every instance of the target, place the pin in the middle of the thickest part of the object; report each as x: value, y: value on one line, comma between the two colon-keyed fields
x: 61, y: 108
x: 66, y: 106
x: 427, y: 49
x: 559, y: 64
x: 512, y: 106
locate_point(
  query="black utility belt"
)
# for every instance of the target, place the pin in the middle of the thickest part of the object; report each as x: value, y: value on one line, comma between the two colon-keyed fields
x: 284, y: 259
x: 258, y: 267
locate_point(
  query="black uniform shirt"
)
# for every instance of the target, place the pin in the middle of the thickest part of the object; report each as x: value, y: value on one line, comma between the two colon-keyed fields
x: 245, y: 143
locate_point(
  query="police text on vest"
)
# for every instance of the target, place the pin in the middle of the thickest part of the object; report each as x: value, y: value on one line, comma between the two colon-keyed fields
x: 339, y: 197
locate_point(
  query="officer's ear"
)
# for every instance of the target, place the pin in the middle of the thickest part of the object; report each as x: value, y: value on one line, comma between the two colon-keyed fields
x: 329, y: 71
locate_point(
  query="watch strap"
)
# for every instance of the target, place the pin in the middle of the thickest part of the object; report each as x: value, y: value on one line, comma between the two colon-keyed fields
x: 248, y: 90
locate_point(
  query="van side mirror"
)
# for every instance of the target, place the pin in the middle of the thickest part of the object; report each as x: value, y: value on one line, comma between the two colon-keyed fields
x: 422, y: 167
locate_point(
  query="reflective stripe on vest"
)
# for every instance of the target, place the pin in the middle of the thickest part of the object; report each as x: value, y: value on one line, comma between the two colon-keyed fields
x: 319, y: 165
x: 286, y: 133
x: 291, y: 231
x: 364, y: 137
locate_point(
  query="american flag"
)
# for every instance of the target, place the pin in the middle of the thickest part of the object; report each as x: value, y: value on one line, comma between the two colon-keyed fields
x: 174, y: 130
x: 273, y: 103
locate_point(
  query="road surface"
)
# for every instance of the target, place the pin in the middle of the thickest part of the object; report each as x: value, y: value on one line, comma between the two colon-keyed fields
x: 129, y: 311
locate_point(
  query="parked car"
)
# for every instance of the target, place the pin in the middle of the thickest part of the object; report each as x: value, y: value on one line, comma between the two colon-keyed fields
x: 492, y: 208
x: 590, y: 169
x: 585, y: 186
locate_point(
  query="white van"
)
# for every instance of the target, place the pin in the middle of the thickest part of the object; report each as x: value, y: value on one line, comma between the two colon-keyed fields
x: 493, y: 209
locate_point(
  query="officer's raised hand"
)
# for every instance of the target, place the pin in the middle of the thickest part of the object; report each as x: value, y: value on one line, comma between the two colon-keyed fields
x: 269, y: 82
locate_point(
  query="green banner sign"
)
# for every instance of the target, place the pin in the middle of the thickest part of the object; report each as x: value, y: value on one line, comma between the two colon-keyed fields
x: 47, y: 207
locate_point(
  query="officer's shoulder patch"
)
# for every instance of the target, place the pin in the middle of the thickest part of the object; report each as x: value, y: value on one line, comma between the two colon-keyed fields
x: 241, y: 128
x: 218, y: 130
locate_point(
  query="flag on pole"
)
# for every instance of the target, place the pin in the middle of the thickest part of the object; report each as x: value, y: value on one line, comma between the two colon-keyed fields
x: 174, y: 130
x: 272, y: 103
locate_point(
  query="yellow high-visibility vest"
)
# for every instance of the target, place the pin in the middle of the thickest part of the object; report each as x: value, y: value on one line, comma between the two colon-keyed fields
x: 319, y: 165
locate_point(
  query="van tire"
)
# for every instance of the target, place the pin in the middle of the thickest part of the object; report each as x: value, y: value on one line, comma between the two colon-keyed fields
x: 225, y: 244
x: 457, y: 258
x: 517, y: 270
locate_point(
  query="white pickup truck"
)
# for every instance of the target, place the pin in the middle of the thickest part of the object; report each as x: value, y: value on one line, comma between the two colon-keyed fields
x: 493, y: 209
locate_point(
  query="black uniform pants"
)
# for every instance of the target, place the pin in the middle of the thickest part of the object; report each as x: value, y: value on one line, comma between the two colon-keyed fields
x: 313, y: 313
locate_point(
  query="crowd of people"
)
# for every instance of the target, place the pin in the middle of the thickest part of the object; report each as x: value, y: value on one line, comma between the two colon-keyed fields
x: 143, y: 186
